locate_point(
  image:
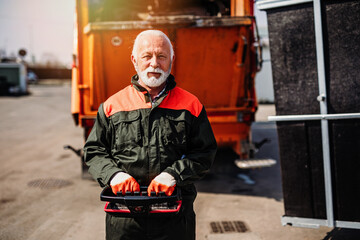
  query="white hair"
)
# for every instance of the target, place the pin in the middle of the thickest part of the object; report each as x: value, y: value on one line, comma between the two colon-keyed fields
x: 157, y: 33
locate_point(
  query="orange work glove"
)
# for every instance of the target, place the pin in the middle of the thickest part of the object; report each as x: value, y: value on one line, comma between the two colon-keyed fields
x: 163, y: 182
x: 123, y: 182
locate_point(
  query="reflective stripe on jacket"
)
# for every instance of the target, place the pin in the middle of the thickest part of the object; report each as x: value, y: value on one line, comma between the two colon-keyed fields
x: 143, y: 139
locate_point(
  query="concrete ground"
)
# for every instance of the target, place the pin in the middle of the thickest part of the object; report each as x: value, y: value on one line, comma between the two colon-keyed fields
x: 42, y: 194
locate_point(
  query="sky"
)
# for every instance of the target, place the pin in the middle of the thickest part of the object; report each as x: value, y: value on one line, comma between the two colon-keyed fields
x: 44, y: 28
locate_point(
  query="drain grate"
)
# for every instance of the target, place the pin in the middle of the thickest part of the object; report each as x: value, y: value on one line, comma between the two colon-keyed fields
x: 228, y: 227
x: 50, y: 183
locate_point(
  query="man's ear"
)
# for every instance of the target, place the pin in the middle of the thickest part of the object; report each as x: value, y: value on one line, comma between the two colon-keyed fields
x: 133, y: 59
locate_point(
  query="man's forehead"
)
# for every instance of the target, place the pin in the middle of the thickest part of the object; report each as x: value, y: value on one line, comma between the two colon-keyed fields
x: 153, y: 43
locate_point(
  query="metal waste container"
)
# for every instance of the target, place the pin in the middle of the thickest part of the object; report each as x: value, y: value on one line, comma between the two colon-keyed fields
x: 315, y: 55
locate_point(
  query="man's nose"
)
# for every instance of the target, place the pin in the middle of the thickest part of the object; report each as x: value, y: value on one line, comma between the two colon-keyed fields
x: 154, y: 62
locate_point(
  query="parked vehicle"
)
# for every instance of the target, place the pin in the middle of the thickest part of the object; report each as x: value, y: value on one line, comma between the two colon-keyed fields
x: 31, y: 77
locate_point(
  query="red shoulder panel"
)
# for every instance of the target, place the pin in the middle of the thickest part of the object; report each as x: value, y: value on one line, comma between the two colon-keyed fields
x: 179, y: 99
x: 127, y: 99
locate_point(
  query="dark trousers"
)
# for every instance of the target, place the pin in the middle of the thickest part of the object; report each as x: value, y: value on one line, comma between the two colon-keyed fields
x: 178, y: 227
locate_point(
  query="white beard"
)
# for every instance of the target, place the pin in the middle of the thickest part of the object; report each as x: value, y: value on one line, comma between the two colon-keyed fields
x: 153, y: 81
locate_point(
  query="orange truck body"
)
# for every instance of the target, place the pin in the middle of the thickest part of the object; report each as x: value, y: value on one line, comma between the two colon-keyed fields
x: 215, y: 60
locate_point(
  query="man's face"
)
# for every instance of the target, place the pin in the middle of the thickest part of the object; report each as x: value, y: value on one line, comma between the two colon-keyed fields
x: 153, y: 60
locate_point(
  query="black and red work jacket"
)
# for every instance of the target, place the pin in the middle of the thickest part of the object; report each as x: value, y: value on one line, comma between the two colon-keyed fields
x: 134, y: 135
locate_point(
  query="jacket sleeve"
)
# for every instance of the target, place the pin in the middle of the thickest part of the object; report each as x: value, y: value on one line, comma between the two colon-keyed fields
x: 97, y: 150
x: 200, y: 155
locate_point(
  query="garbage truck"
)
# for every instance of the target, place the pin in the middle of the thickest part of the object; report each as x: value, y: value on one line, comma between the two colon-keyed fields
x: 217, y: 53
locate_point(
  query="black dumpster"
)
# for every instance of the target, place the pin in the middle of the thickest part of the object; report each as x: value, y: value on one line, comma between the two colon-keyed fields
x: 296, y: 87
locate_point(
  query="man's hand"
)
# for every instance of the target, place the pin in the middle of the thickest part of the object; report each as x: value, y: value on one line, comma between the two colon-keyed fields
x: 163, y: 182
x: 123, y: 182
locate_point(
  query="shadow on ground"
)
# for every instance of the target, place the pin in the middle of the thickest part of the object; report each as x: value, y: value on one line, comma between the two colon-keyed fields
x: 265, y: 182
x: 343, y: 234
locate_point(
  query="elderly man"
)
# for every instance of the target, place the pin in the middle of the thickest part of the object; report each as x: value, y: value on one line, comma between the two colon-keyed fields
x: 153, y: 134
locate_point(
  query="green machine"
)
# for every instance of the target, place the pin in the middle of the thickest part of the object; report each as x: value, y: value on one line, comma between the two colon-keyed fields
x: 12, y: 79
